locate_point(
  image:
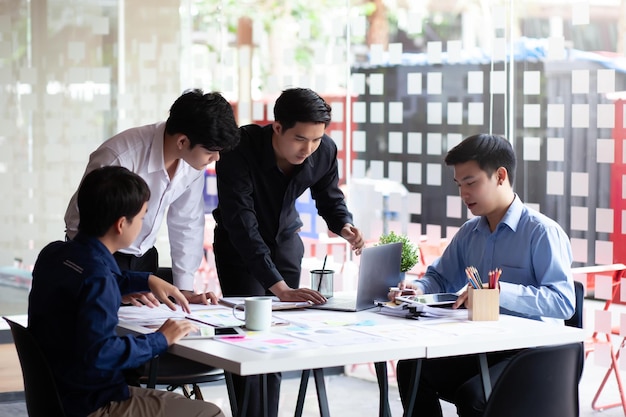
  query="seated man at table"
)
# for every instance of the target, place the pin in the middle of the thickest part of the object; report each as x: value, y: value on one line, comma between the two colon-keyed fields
x: 532, y: 250
x: 72, y: 309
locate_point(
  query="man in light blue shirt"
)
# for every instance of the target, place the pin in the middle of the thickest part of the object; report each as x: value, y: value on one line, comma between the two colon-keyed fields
x: 532, y: 250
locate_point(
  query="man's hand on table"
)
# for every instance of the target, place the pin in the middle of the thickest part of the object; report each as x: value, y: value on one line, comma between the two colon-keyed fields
x: 403, y: 288
x: 286, y: 293
x: 139, y: 299
x: 163, y: 290
x: 160, y: 292
x: 202, y: 298
x: 174, y: 330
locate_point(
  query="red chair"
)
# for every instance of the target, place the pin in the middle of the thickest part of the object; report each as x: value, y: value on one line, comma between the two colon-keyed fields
x: 618, y: 271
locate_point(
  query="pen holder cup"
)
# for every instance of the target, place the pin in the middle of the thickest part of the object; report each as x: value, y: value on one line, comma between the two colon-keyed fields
x: 322, y: 281
x: 483, y: 305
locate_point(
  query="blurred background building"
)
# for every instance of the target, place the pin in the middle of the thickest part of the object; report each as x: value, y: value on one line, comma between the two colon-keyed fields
x: 407, y: 80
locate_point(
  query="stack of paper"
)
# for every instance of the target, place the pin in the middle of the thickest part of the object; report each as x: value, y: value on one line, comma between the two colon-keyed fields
x: 416, y: 310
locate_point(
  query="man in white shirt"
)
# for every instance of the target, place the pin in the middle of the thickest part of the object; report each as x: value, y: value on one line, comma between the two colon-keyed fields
x: 171, y: 157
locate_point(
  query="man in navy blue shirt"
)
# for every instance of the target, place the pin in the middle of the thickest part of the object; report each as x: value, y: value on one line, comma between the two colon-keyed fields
x: 77, y: 290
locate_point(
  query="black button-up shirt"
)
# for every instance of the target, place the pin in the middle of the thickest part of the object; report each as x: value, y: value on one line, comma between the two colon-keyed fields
x: 256, y: 201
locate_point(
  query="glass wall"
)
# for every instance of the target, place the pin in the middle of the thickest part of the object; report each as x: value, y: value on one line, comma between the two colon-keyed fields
x: 407, y: 80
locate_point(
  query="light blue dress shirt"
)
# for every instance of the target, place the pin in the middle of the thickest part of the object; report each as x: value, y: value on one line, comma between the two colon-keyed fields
x: 533, y: 252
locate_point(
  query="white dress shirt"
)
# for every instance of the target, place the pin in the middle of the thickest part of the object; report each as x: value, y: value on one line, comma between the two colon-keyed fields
x: 140, y: 150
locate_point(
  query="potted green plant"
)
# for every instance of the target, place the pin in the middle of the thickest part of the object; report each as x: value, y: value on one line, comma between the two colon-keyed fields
x: 410, y: 251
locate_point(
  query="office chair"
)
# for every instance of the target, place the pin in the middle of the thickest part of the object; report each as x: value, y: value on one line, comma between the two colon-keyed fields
x: 539, y: 382
x: 577, y: 319
x: 40, y: 390
x: 600, y: 337
x: 177, y: 372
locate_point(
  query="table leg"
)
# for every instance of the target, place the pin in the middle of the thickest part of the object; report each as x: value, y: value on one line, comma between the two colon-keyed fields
x: 383, y: 389
x: 304, y: 382
x: 413, y: 386
x: 320, y: 386
x: 239, y: 406
x: 242, y: 403
x: 484, y: 374
x: 153, y: 370
x: 265, y: 404
x: 230, y: 389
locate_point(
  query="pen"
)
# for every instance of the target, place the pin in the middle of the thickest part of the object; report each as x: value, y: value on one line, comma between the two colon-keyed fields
x: 319, y: 284
x: 469, y: 278
x: 199, y: 321
x: 494, y: 276
x: 473, y: 277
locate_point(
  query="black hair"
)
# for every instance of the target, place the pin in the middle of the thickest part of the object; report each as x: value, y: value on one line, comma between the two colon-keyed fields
x: 301, y: 105
x: 489, y: 151
x: 105, y: 195
x: 206, y: 119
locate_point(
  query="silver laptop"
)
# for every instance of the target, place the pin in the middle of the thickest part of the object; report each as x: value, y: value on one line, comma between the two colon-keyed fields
x: 379, y: 269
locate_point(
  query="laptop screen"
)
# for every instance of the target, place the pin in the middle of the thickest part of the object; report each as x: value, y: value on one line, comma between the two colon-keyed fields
x: 379, y: 269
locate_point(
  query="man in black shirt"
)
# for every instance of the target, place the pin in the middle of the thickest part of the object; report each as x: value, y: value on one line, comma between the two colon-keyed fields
x: 257, y: 247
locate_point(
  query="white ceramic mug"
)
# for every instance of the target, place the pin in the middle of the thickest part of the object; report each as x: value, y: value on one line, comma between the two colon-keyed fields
x: 258, y: 312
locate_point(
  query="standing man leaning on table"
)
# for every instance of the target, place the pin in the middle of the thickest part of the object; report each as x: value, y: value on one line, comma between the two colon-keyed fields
x: 72, y: 307
x: 171, y: 157
x: 532, y: 250
x: 257, y: 247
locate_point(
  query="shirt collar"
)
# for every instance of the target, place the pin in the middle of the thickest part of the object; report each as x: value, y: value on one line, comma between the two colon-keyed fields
x: 511, y: 217
x: 156, y: 162
x: 269, y: 157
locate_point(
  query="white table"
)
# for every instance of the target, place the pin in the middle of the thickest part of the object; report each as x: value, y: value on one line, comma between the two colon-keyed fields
x: 451, y: 339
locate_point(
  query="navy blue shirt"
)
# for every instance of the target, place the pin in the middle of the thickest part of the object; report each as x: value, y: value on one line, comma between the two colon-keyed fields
x: 72, y: 312
x: 256, y: 201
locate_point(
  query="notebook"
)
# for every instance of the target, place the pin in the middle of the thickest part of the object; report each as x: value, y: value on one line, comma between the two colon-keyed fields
x: 379, y: 269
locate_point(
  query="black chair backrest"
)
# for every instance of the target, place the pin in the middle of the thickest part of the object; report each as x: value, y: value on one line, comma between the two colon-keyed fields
x: 538, y: 382
x: 40, y: 390
x: 577, y: 319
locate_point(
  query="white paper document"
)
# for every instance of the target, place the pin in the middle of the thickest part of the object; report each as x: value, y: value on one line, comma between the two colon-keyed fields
x: 417, y: 310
